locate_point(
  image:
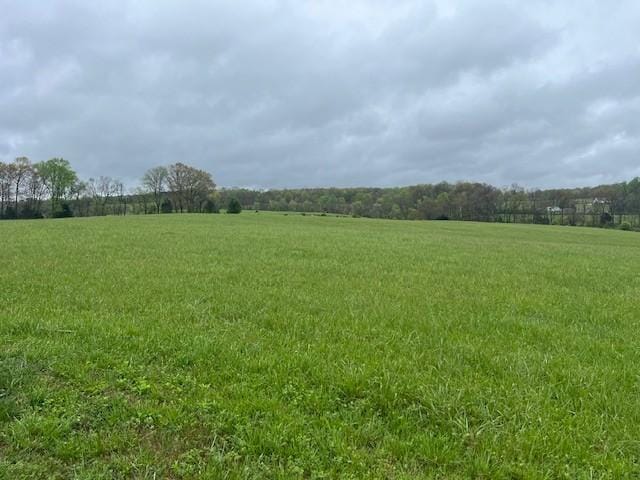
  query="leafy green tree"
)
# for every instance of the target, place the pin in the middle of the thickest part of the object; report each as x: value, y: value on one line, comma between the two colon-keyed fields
x: 58, y: 178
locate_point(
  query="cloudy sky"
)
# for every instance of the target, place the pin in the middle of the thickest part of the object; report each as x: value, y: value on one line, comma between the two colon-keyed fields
x: 326, y: 93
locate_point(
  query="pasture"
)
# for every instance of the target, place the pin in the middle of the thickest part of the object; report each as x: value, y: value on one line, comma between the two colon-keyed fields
x: 272, y: 346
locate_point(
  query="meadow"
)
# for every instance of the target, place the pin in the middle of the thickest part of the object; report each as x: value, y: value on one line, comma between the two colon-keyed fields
x: 269, y: 346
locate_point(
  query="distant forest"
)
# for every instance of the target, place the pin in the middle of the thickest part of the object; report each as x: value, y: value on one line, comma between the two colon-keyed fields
x: 53, y: 189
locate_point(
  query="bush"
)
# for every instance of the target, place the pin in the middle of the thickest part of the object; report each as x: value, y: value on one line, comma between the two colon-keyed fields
x: 166, y: 206
x: 210, y: 206
x: 64, y: 211
x: 234, y: 206
x: 626, y: 226
x: 31, y: 213
x: 10, y: 213
x: 606, y: 219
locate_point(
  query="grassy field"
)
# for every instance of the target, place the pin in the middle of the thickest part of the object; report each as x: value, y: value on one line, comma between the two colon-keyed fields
x: 272, y: 346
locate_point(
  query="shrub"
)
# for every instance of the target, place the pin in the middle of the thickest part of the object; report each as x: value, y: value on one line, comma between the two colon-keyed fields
x: 210, y: 206
x: 626, y: 226
x: 606, y: 219
x: 166, y: 206
x: 31, y: 213
x: 64, y: 211
x: 10, y: 212
x: 234, y: 206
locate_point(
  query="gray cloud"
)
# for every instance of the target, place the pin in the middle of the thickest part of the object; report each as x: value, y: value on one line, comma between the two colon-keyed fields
x: 284, y: 93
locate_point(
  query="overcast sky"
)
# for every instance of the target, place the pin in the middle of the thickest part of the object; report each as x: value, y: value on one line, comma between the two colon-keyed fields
x: 326, y: 93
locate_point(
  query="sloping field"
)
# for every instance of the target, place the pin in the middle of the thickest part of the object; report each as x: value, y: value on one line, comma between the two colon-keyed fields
x: 272, y: 346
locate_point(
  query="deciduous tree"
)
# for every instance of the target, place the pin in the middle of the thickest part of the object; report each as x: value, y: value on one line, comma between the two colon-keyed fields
x: 154, y: 181
x: 189, y: 187
x: 58, y: 178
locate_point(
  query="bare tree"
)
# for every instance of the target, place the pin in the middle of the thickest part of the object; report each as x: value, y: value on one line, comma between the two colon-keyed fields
x: 8, y: 189
x: 22, y: 168
x: 82, y: 202
x: 35, y: 192
x: 101, y: 190
x: 142, y: 197
x: 6, y: 180
x: 122, y: 198
x: 154, y: 181
x: 177, y: 185
x: 189, y: 187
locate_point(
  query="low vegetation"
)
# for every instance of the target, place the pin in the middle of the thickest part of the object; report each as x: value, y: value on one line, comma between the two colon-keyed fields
x: 273, y: 346
x: 53, y: 189
x: 606, y: 206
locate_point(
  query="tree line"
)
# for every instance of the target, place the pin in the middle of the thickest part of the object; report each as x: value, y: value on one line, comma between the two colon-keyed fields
x: 53, y: 189
x: 604, y: 205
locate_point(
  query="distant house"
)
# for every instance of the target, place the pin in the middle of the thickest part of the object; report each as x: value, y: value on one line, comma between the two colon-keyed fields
x: 592, y: 205
x: 554, y: 210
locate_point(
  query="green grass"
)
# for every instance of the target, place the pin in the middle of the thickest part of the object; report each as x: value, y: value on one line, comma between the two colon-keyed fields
x: 272, y: 346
